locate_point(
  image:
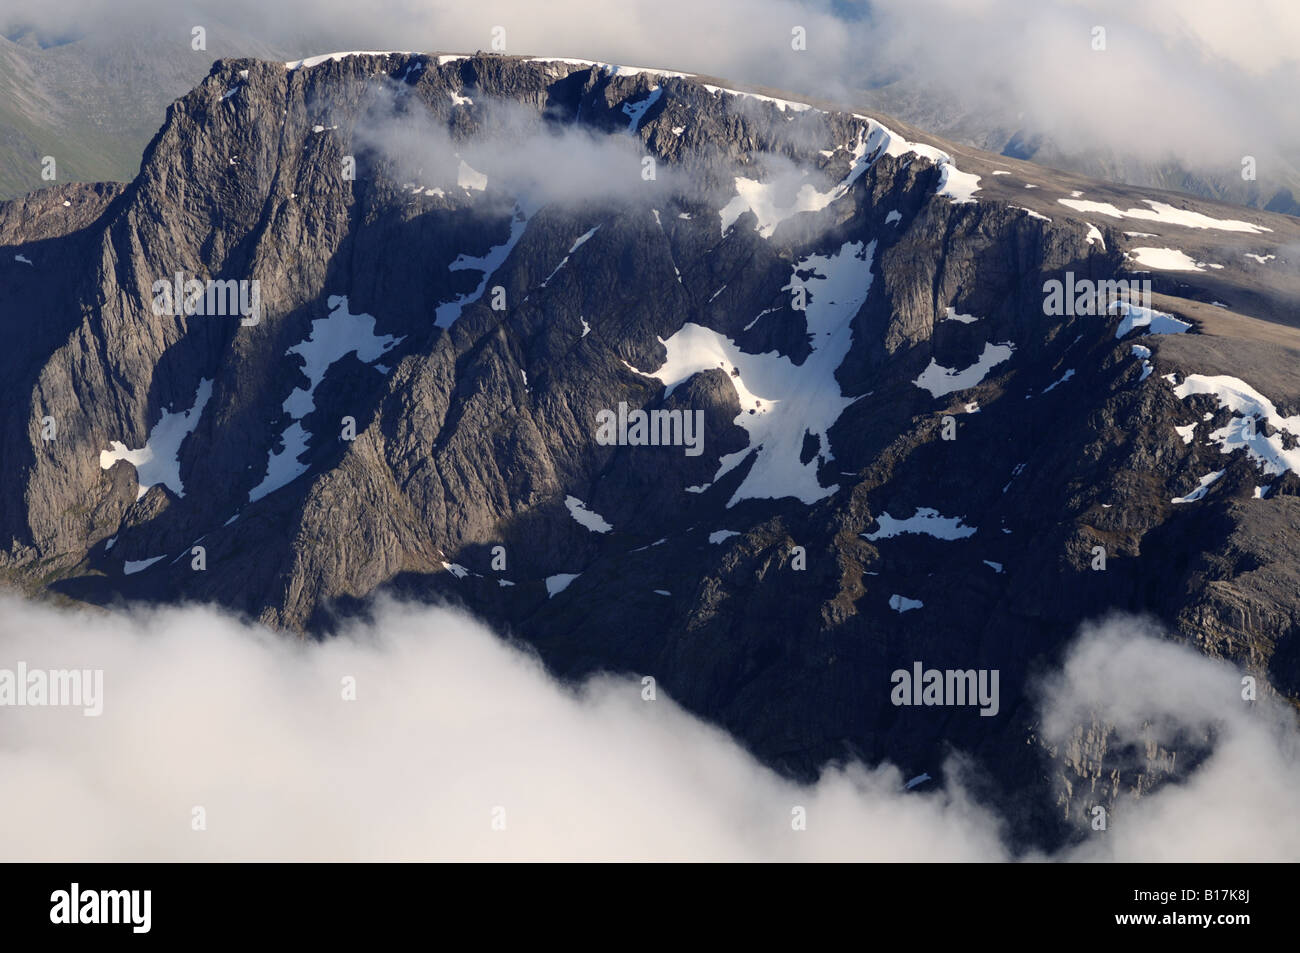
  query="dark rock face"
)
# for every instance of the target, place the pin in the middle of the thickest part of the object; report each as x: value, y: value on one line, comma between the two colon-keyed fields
x: 448, y: 449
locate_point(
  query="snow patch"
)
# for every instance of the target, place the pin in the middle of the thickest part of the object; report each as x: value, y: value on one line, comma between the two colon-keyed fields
x: 758, y: 316
x: 158, y: 461
x: 591, y: 520
x: 940, y: 380
x: 1144, y: 353
x: 1165, y: 259
x: 780, y: 401
x: 957, y: 185
x: 1064, y: 377
x: 781, y: 104
x: 559, y: 582
x: 446, y: 314
x: 311, y: 61
x: 1165, y: 215
x: 925, y: 522
x: 331, y: 338
x: 901, y: 604
x: 1155, y: 322
x: 457, y: 570
x: 133, y: 566
x: 610, y: 69
x: 1032, y: 213
x: 1243, y: 431
x: 1200, y: 491
x: 574, y: 247
x: 635, y: 111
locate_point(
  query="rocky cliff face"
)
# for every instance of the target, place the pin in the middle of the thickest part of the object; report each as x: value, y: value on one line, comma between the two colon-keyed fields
x: 881, y: 447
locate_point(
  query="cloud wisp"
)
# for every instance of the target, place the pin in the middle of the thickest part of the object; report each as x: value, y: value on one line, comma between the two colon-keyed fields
x: 514, y: 151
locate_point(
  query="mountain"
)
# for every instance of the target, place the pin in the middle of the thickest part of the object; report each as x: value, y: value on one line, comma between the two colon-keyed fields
x: 93, y: 100
x: 888, y: 437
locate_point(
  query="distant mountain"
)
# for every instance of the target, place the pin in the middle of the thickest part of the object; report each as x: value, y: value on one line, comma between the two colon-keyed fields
x: 882, y: 434
x: 93, y: 102
x: 1277, y: 188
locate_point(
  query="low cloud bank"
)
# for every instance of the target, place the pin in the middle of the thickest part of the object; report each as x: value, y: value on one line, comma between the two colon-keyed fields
x: 460, y: 746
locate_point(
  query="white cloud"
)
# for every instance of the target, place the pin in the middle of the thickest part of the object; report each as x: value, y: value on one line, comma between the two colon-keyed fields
x: 514, y: 150
x: 1033, y: 66
x: 450, y: 722
x: 1194, y: 80
x: 1237, y: 805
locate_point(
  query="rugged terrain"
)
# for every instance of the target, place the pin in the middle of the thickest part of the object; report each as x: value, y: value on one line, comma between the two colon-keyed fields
x: 904, y: 456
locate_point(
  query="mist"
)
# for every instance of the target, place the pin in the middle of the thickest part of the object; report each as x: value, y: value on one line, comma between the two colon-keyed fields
x: 1193, y: 81
x: 1237, y: 804
x: 422, y: 735
x: 521, y: 153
